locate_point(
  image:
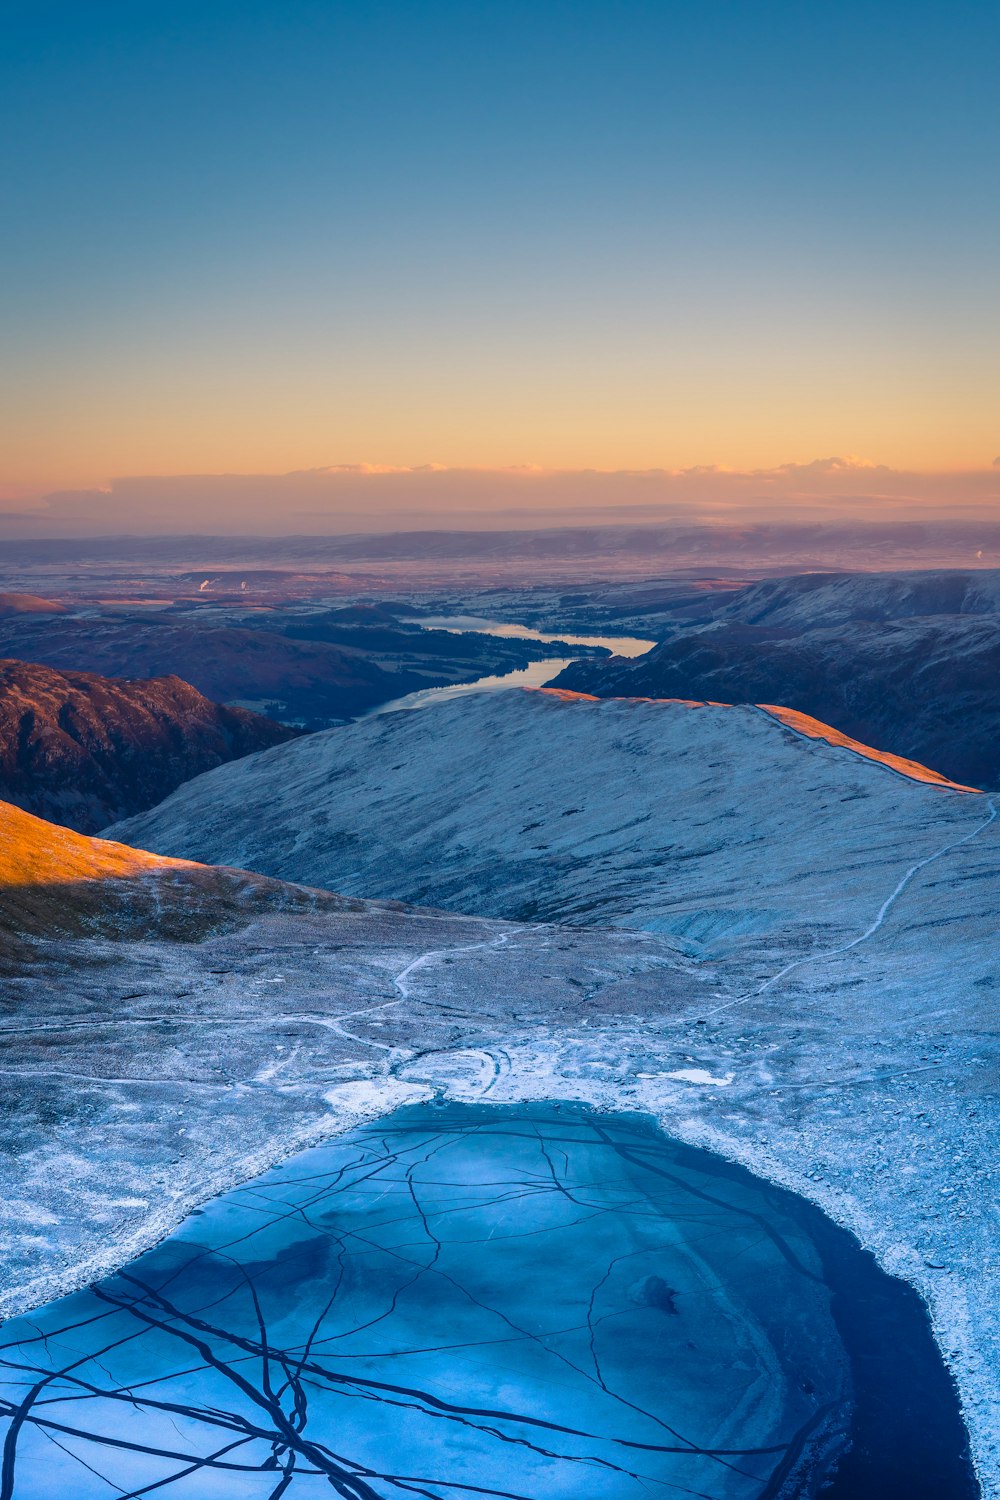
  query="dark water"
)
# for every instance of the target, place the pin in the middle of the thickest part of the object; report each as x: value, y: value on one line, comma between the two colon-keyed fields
x: 534, y: 1302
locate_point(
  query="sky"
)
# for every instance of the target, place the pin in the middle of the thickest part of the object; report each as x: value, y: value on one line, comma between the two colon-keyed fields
x: 484, y: 241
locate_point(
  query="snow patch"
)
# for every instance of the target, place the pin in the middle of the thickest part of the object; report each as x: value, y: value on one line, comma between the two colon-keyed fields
x: 700, y: 1075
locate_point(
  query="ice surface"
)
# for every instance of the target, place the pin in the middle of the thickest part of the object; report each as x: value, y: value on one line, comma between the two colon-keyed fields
x: 531, y: 1302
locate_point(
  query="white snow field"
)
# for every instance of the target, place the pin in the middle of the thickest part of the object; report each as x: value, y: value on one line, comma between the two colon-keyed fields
x: 779, y: 948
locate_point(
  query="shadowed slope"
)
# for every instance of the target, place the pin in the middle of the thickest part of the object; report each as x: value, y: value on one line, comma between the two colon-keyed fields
x: 84, y: 750
x: 810, y: 600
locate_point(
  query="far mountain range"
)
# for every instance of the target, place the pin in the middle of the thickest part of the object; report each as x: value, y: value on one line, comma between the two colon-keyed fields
x: 106, y: 707
x: 907, y: 662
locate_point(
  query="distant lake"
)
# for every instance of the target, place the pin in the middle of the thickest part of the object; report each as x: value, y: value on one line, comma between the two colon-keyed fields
x: 522, y: 1302
x: 534, y: 676
x: 618, y: 645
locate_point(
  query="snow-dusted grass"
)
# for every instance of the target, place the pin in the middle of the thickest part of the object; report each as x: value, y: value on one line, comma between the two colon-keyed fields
x: 777, y: 948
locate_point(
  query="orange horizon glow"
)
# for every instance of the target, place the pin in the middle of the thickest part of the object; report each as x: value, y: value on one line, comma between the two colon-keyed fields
x: 597, y: 239
x: 46, y: 450
x: 342, y: 497
x: 99, y: 481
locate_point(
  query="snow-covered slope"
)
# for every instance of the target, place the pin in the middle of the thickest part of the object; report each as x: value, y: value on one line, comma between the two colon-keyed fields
x: 812, y: 600
x: 830, y: 1021
x: 720, y: 825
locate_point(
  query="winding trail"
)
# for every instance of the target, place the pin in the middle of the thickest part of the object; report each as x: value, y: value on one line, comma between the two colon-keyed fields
x: 424, y: 958
x: 883, y: 912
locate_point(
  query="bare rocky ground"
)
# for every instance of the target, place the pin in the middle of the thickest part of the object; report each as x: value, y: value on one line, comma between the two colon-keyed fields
x: 844, y: 1047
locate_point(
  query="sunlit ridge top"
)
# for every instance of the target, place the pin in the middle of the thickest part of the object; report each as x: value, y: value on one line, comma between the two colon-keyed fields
x: 803, y: 724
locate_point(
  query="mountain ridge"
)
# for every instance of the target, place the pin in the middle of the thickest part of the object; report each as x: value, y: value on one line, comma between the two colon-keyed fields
x: 84, y: 750
x: 721, y: 825
x: 922, y: 689
x: 806, y: 984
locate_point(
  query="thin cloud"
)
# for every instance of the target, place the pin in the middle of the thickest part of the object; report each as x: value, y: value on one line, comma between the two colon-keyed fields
x: 354, y: 497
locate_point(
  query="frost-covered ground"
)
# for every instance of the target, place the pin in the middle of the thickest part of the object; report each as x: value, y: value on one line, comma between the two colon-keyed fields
x: 720, y: 825
x: 146, y: 1078
x: 818, y: 1000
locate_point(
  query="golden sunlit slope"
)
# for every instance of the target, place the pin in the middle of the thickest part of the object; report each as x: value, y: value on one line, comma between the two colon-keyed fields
x: 54, y: 882
x: 33, y: 852
x: 814, y: 729
x: 29, y: 604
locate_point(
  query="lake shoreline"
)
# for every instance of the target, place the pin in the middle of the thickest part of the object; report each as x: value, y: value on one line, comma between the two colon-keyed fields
x: 890, y: 1436
x: 367, y: 1101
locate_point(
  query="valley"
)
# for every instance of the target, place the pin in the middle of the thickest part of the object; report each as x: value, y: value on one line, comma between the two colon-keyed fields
x: 746, y: 925
x: 834, y: 1034
x: 300, y: 665
x: 84, y: 750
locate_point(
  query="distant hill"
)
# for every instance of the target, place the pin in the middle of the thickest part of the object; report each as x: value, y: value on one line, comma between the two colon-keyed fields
x: 309, y: 672
x: 812, y: 600
x: 29, y: 604
x: 83, y: 750
x: 290, y: 679
x: 907, y: 662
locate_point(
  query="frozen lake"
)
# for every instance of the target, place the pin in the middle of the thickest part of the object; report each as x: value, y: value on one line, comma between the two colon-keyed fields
x: 526, y: 1302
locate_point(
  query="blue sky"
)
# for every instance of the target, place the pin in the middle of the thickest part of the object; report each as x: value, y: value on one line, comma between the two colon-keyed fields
x: 273, y: 235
